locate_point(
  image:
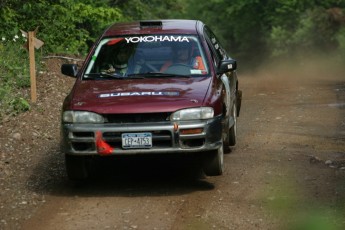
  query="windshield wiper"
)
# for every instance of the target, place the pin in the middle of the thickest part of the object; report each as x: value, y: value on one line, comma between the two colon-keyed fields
x: 156, y: 74
x: 133, y: 76
x: 105, y: 76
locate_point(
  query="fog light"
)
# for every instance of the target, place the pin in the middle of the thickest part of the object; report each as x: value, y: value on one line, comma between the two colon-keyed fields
x: 191, y: 131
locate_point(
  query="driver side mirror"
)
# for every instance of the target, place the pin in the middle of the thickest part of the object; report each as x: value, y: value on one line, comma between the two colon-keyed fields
x: 69, y: 70
x: 226, y: 66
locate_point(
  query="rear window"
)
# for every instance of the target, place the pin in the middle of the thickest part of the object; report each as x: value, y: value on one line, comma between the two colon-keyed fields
x: 135, y: 55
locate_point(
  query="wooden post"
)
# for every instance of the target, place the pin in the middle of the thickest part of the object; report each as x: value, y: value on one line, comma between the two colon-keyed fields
x: 31, y: 38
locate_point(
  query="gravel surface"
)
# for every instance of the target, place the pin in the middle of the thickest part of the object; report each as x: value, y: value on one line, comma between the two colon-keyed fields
x: 27, y: 141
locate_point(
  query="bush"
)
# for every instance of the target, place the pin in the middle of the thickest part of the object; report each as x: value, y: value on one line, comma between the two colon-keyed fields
x: 340, y: 38
x: 314, y: 31
x: 14, y: 75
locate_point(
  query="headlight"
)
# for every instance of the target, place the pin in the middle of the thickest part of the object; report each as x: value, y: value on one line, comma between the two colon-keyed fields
x: 193, y: 114
x: 81, y: 117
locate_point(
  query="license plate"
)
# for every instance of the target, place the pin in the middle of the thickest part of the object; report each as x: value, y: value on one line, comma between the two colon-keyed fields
x: 136, y: 140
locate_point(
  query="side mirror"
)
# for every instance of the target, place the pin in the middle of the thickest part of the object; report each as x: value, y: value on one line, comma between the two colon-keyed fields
x: 226, y: 66
x: 69, y: 70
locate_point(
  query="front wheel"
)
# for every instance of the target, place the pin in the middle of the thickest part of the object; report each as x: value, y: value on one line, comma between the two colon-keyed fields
x: 214, y: 162
x: 233, y: 129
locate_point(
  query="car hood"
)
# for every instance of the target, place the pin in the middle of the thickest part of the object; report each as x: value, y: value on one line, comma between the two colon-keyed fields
x: 139, y: 95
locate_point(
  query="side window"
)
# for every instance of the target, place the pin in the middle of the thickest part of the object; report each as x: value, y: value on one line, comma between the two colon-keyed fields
x: 214, y: 58
x: 216, y: 47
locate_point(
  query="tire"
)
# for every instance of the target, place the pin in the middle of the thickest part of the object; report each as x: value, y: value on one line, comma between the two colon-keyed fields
x: 239, y: 101
x: 233, y: 130
x: 76, y: 167
x: 214, y: 162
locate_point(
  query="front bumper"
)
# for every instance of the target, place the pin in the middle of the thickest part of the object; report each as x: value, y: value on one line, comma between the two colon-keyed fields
x: 80, y: 139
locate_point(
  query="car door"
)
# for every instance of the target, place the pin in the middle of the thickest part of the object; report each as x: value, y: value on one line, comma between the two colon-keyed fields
x: 228, y: 79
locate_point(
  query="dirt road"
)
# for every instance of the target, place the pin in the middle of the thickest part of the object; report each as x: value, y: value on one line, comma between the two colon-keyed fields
x: 286, y: 172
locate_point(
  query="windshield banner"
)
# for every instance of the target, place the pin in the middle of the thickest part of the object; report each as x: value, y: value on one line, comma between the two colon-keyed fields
x: 157, y: 38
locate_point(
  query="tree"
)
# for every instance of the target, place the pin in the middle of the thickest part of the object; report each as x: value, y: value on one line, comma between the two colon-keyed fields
x: 75, y: 22
x: 256, y: 29
x: 249, y: 29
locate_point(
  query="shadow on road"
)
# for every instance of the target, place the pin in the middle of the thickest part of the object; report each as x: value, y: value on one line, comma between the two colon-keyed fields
x: 120, y: 176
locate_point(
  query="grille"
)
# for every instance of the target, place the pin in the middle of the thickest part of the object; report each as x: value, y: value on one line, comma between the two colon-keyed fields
x: 135, y: 118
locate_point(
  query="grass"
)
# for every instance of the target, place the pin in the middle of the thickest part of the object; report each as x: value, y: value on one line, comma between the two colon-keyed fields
x: 14, y: 76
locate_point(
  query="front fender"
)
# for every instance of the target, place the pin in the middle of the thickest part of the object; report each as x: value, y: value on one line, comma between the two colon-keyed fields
x: 227, y: 98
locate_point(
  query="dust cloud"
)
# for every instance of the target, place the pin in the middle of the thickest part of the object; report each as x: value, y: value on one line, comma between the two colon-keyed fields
x: 303, y: 67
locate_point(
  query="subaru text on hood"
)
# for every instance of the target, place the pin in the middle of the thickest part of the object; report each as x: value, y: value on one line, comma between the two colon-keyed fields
x: 152, y: 87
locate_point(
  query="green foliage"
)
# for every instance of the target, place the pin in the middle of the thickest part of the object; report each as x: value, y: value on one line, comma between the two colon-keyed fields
x: 66, y: 26
x: 313, y: 31
x: 14, y: 75
x: 240, y: 25
x: 254, y: 30
x: 249, y: 29
x: 340, y: 38
x: 19, y: 105
x: 71, y: 26
x: 14, y: 67
x: 150, y: 9
x: 278, y: 41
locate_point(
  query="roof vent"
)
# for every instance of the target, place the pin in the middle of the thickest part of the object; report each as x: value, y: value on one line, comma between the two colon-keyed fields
x: 151, y: 24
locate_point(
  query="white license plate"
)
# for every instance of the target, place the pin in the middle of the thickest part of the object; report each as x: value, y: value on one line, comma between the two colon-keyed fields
x: 136, y: 140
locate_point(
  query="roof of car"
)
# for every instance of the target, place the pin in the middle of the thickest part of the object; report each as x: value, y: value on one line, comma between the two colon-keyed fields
x: 172, y: 26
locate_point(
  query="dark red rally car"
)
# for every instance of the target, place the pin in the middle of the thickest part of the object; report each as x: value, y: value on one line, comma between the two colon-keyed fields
x: 152, y: 87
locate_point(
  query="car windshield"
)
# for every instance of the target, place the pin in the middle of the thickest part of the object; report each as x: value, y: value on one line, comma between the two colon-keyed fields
x: 148, y: 56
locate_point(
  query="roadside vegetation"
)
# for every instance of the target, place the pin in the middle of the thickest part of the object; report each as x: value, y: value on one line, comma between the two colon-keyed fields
x: 14, y: 76
x: 252, y: 31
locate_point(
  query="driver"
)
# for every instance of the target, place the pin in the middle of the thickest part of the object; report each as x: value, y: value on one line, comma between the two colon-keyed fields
x: 182, y: 54
x: 120, y: 63
x: 121, y: 60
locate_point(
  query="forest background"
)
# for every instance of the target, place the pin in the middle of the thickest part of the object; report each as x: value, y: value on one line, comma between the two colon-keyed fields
x: 253, y: 31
